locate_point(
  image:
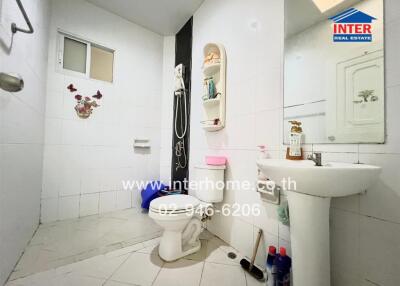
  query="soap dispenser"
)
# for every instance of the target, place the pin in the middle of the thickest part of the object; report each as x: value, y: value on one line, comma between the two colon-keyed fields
x: 295, y: 151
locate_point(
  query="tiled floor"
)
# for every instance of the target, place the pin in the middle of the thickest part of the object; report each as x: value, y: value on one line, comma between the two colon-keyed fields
x: 65, y: 242
x: 140, y: 264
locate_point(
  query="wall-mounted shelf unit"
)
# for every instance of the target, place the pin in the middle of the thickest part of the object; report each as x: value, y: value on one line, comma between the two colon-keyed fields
x: 211, y: 69
x: 214, y: 71
x: 212, y: 128
x: 212, y: 102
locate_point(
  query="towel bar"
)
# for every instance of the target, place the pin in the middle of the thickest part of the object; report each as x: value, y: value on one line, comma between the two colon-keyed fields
x: 15, y: 28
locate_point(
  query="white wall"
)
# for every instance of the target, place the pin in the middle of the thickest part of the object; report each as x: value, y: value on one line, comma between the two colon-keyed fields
x: 365, y: 228
x: 21, y: 129
x: 167, y: 109
x: 254, y: 48
x: 86, y: 159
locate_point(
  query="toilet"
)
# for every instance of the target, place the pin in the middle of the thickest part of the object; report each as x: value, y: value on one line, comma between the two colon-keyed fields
x: 181, y: 216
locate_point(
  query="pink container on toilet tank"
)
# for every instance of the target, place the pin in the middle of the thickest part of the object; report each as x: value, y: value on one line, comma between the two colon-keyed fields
x: 216, y: 160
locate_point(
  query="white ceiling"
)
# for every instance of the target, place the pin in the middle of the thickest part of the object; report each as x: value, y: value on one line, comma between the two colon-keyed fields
x: 164, y: 17
x: 302, y: 14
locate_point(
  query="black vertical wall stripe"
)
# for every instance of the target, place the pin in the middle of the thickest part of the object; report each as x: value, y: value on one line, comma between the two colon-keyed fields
x: 183, y: 55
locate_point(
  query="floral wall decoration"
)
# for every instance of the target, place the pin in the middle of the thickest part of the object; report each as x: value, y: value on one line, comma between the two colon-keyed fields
x: 85, y: 104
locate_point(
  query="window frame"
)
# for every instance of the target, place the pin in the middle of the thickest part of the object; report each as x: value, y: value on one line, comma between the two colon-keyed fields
x: 61, y: 35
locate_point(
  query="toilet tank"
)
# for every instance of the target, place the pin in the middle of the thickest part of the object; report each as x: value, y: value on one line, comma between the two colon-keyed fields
x: 208, y: 183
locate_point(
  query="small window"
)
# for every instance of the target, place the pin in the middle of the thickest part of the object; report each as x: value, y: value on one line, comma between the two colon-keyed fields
x: 101, y: 64
x: 82, y: 57
x: 74, y: 55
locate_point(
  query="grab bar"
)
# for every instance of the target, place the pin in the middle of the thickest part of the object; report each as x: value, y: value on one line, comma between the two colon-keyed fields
x: 14, y: 27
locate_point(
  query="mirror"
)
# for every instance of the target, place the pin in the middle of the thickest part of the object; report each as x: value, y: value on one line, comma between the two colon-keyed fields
x: 334, y: 70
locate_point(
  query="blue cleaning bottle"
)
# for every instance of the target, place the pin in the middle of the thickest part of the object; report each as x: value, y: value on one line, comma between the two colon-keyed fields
x: 271, y: 266
x: 283, y: 265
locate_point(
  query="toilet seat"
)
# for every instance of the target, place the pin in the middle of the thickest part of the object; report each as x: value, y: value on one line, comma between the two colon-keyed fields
x: 174, y: 204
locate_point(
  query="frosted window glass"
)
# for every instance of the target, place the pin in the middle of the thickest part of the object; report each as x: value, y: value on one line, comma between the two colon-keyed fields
x: 101, y: 65
x: 74, y: 55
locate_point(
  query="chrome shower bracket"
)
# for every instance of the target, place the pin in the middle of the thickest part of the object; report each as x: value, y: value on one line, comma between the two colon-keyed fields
x: 15, y: 28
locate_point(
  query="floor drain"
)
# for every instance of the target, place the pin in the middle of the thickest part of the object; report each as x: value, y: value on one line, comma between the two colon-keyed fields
x: 232, y: 255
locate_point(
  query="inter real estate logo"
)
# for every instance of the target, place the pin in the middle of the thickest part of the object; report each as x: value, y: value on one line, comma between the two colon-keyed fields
x: 352, y: 25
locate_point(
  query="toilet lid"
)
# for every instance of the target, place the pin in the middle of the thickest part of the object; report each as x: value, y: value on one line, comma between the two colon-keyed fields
x: 175, y: 203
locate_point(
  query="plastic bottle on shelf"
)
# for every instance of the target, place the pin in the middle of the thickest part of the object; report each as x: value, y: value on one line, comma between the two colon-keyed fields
x: 283, y: 265
x: 271, y: 266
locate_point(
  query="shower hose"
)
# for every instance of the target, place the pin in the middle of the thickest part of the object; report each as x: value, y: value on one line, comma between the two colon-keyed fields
x: 180, y: 151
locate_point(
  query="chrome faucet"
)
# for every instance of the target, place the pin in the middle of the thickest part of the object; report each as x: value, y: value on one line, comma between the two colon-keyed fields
x: 317, y: 159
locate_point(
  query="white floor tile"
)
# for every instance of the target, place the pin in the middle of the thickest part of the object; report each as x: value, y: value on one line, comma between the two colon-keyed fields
x: 140, y: 264
x: 217, y: 252
x: 139, y: 269
x: 201, y: 254
x: 76, y: 280
x: 115, y: 283
x: 152, y: 242
x: 222, y: 275
x: 99, y: 267
x: 52, y: 278
x: 64, y: 242
x: 180, y: 273
x: 125, y: 250
x: 153, y: 249
x: 44, y: 277
x: 251, y: 281
x: 151, y: 246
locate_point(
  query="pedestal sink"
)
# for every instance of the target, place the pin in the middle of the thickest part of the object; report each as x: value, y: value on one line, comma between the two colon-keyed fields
x: 309, y: 206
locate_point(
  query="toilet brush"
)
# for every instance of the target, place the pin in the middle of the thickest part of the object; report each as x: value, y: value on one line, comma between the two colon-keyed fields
x: 249, y: 265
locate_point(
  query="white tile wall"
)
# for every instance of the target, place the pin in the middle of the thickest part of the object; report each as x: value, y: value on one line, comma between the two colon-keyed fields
x: 21, y: 129
x: 124, y: 200
x: 167, y: 108
x: 364, y: 239
x: 379, y: 251
x: 89, y: 204
x: 49, y: 209
x: 107, y: 202
x: 85, y: 160
x: 254, y: 108
x: 68, y: 207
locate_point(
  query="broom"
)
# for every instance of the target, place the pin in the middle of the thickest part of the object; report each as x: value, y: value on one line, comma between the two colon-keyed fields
x: 249, y: 265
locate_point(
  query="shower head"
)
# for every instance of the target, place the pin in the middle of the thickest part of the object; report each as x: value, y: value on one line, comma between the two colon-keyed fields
x: 11, y: 82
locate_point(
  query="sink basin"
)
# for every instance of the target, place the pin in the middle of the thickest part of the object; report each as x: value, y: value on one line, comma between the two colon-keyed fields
x: 309, y: 194
x: 330, y: 180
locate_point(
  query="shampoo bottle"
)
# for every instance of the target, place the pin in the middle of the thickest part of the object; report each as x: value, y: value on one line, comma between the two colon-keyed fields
x: 295, y: 151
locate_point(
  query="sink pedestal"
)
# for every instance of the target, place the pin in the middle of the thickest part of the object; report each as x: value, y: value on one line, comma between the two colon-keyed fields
x: 309, y: 235
x: 309, y: 203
